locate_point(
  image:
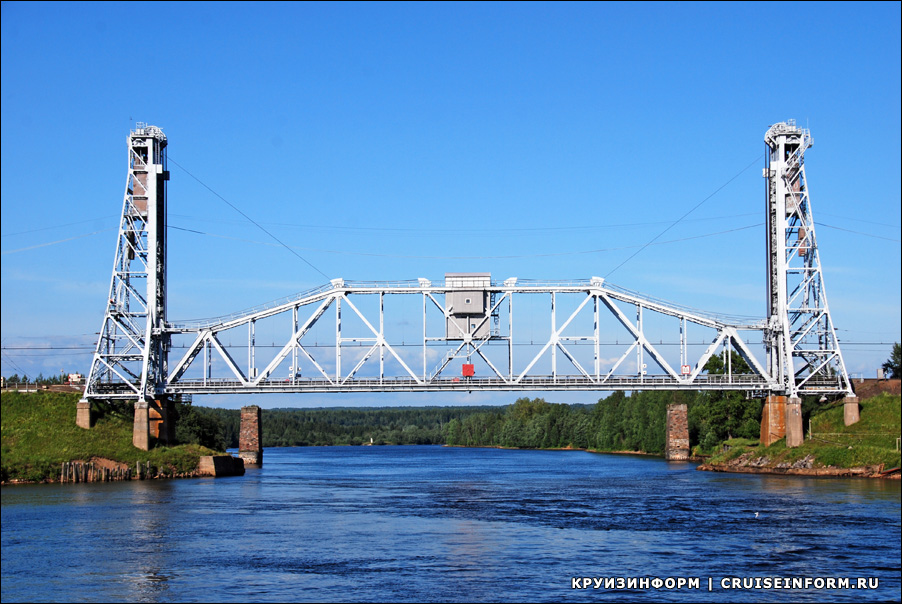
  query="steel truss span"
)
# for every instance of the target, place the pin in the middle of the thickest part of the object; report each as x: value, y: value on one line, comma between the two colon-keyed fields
x: 466, y: 332
x: 480, y: 340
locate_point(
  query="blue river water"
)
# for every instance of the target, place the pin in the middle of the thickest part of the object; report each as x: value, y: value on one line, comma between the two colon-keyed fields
x: 430, y: 524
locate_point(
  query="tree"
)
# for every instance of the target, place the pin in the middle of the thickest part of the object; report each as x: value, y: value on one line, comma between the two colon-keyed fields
x: 523, y: 408
x: 893, y: 366
x: 192, y: 426
x: 717, y: 365
x: 724, y: 415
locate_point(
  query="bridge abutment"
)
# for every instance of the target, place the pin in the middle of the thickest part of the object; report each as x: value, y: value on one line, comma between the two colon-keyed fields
x: 250, y: 436
x: 154, y: 423
x: 795, y: 433
x: 850, y: 410
x: 83, y: 417
x: 773, y: 419
x: 141, y: 429
x: 677, y: 433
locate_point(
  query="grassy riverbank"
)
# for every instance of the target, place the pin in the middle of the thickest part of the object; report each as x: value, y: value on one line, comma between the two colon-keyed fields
x: 829, y: 443
x: 39, y: 434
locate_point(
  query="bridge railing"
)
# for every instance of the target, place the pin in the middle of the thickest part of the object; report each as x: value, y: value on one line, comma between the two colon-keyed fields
x: 547, y: 382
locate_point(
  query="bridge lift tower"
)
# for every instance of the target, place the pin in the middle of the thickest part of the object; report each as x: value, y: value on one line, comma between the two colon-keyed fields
x: 802, y: 352
x: 133, y: 345
x: 800, y: 339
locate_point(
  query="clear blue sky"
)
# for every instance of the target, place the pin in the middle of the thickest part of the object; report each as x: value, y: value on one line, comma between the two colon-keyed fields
x: 396, y: 141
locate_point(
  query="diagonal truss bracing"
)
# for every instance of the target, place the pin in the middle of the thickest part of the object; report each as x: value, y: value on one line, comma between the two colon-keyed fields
x: 561, y: 360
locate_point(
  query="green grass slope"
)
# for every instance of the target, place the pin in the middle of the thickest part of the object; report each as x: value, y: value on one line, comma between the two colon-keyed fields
x: 39, y: 434
x: 830, y: 443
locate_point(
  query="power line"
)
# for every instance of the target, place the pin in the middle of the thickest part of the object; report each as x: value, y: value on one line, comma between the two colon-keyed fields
x: 249, y: 219
x: 34, y: 247
x: 680, y: 219
x: 58, y: 226
x: 504, y: 257
x: 13, y: 363
x: 345, y: 252
x: 830, y: 226
x: 472, y: 231
x: 883, y: 224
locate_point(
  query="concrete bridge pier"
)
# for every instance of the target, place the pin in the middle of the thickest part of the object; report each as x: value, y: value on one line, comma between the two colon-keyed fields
x: 850, y: 410
x: 250, y: 436
x: 676, y: 439
x: 795, y: 433
x: 83, y: 417
x: 141, y: 428
x: 773, y: 419
x: 154, y: 424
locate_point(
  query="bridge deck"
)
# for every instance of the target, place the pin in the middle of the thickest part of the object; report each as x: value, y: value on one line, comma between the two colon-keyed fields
x: 531, y: 383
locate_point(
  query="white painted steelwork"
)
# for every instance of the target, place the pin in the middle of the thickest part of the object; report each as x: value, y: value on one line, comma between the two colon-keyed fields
x: 131, y: 353
x: 361, y: 354
x: 596, y: 299
x: 802, y: 348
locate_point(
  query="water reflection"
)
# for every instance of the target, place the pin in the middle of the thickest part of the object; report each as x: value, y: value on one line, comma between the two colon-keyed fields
x: 148, y: 586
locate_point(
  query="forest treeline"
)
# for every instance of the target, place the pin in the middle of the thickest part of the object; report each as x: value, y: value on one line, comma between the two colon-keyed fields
x: 349, y: 426
x: 618, y: 422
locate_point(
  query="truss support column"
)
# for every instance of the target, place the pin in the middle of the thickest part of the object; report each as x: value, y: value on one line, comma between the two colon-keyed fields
x: 337, y: 339
x: 640, y: 349
x: 773, y: 419
x: 83, y: 417
x: 850, y: 410
x: 676, y: 441
x: 251, y: 345
x: 683, y: 354
x: 510, y: 333
x: 728, y: 348
x: 294, y: 346
x: 597, y: 338
x: 795, y: 434
x: 554, y: 340
x: 250, y: 436
x: 424, y: 337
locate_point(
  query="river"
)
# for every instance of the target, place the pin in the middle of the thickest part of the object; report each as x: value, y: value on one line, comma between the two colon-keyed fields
x: 428, y: 524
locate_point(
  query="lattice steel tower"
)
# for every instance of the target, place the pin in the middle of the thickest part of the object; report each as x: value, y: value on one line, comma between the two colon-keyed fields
x: 802, y: 350
x: 130, y: 358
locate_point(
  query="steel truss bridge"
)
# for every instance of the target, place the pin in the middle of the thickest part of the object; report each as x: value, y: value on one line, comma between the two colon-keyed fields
x: 343, y: 336
x: 466, y: 340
